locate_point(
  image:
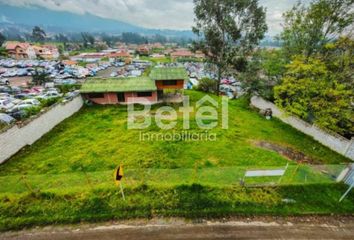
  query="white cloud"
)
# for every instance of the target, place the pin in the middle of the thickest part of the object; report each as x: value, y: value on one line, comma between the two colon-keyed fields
x: 169, y: 14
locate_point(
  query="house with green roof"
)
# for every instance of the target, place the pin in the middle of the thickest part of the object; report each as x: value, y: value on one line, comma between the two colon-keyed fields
x: 142, y: 90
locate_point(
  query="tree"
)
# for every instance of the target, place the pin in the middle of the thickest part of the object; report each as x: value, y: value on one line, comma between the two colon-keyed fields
x: 339, y: 58
x: 87, y: 39
x: 2, y: 39
x: 38, y: 34
x: 228, y: 31
x: 129, y: 37
x: 207, y: 85
x: 308, y: 29
x: 311, y: 91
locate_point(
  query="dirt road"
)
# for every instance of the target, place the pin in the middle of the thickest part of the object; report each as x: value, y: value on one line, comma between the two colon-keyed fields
x: 179, y: 229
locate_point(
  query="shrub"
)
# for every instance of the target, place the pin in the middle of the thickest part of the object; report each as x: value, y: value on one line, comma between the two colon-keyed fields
x: 49, y: 102
x: 207, y: 85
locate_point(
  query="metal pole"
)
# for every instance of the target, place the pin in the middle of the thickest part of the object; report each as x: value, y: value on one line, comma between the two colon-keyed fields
x: 346, y: 193
x: 121, y: 189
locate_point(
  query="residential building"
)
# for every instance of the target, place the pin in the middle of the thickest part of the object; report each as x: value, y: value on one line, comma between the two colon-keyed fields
x: 120, y: 90
x: 47, y: 52
x: 142, y: 90
x: 20, y: 50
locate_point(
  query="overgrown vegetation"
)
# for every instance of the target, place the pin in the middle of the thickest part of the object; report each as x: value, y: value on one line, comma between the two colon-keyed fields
x: 66, y: 176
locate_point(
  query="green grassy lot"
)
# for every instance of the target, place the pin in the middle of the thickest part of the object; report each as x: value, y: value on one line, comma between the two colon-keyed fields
x: 67, y: 176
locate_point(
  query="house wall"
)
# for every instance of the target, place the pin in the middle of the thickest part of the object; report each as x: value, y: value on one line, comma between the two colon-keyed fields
x: 332, y: 140
x: 179, y: 85
x: 132, y: 97
x: 15, y: 137
x: 109, y: 98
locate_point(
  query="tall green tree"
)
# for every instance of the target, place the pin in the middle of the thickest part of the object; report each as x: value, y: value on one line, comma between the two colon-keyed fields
x: 87, y: 39
x: 2, y: 39
x: 228, y: 31
x: 311, y: 91
x: 38, y: 34
x: 307, y: 29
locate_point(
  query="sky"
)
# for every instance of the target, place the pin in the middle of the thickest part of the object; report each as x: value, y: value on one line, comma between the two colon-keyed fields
x: 162, y: 14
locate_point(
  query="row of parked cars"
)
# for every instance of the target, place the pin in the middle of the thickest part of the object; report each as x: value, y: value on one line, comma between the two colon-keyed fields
x: 55, y: 69
x: 18, y: 103
x: 135, y: 69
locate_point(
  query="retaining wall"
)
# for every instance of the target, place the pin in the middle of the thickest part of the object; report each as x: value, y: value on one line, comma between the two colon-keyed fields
x: 15, y: 137
x: 332, y: 140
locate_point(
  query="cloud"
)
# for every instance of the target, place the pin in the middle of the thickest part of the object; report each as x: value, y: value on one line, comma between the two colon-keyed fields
x: 165, y: 14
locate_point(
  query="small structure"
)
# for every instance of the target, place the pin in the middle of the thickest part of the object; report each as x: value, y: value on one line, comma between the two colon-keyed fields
x: 142, y: 90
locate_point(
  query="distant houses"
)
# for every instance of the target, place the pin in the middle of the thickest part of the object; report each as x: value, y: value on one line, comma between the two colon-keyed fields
x: 141, y: 90
x: 19, y: 50
x: 24, y: 50
x: 185, y: 53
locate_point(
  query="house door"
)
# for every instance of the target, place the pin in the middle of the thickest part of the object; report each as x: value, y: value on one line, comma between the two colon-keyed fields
x: 159, y: 95
x: 121, y: 97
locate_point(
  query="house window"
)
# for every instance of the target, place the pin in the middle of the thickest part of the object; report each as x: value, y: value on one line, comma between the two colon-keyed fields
x: 96, y: 95
x: 169, y: 83
x: 144, y: 94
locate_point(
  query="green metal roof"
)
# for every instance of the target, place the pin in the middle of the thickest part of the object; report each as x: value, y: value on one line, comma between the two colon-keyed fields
x: 136, y: 84
x: 169, y: 73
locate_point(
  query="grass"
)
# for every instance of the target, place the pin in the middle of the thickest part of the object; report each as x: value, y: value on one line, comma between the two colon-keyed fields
x: 67, y: 175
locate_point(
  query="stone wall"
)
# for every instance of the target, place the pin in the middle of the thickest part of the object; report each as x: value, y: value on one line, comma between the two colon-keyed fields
x: 15, y: 137
x: 332, y: 140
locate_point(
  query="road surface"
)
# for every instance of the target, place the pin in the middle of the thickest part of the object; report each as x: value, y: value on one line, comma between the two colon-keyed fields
x: 181, y: 229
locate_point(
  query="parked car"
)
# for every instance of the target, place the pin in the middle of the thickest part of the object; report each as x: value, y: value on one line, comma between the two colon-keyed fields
x: 5, y: 89
x: 21, y: 95
x: 48, y: 95
x: 70, y: 95
x: 18, y: 113
x: 5, y: 118
x: 32, y: 102
x: 6, y: 104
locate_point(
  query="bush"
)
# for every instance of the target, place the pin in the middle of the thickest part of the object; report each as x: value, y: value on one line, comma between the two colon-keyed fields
x: 32, y: 111
x: 65, y: 88
x: 207, y: 85
x: 49, y: 102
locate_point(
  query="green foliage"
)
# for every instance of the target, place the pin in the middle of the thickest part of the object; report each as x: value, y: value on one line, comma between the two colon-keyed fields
x: 207, y: 85
x: 135, y: 38
x: 45, y: 184
x: 88, y: 39
x: 49, y: 102
x: 32, y: 111
x: 65, y: 88
x: 186, y: 200
x: 339, y: 58
x: 3, y: 52
x: 273, y: 64
x: 311, y: 91
x: 101, y: 140
x: 2, y: 39
x: 228, y: 31
x: 38, y: 34
x: 308, y: 28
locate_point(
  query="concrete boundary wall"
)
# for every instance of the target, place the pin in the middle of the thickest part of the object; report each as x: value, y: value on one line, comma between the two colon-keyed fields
x: 332, y: 140
x: 15, y: 137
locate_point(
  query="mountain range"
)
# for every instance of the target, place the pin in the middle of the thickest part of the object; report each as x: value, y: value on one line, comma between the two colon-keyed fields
x: 24, y: 19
